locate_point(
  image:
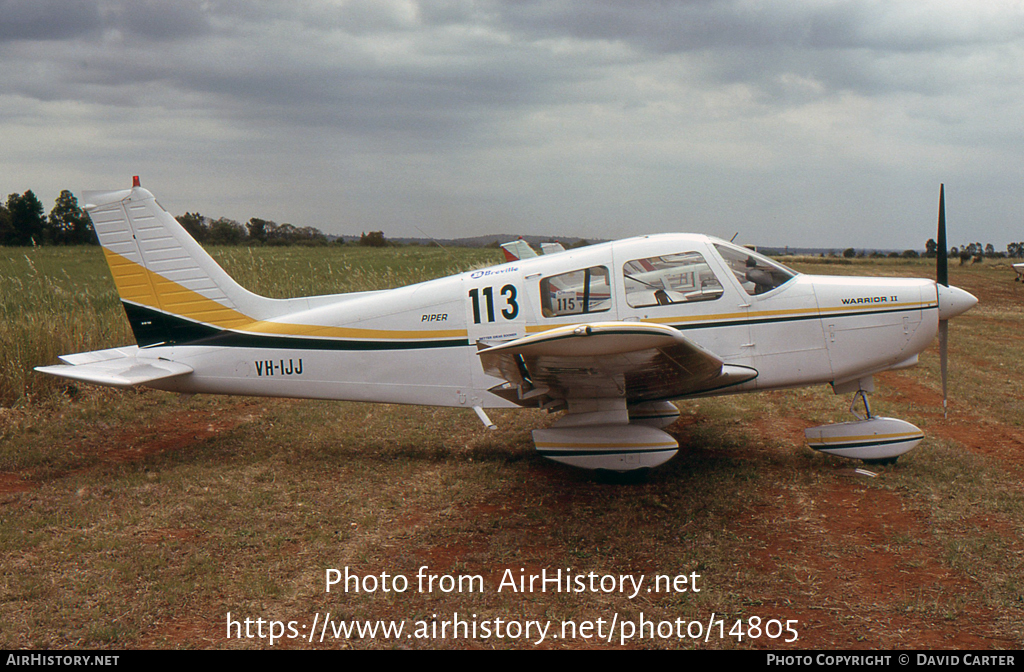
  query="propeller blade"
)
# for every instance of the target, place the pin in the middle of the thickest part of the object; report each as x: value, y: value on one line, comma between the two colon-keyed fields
x: 943, y: 359
x: 942, y: 278
x: 941, y: 263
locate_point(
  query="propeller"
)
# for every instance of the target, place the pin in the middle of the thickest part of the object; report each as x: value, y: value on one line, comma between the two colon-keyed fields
x: 942, y: 278
x: 952, y: 300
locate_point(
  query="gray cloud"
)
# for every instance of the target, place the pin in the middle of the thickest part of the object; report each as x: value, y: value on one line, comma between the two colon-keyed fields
x: 528, y: 113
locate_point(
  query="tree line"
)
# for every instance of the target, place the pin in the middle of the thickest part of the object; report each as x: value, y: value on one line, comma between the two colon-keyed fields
x: 24, y: 222
x: 976, y: 251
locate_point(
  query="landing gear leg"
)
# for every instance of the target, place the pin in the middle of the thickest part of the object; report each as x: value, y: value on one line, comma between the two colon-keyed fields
x: 861, y: 394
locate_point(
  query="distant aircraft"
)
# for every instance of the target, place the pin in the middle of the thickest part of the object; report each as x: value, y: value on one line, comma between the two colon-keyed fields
x: 608, y: 334
x: 520, y: 249
x: 1019, y: 270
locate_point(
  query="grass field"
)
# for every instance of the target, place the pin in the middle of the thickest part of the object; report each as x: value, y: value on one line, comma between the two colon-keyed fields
x: 138, y: 519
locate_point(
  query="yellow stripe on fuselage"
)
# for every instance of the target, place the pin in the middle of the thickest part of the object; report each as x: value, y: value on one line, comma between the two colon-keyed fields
x: 867, y: 437
x: 287, y: 329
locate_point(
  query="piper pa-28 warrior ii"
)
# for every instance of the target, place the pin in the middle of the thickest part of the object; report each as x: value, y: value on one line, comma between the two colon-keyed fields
x: 609, y: 334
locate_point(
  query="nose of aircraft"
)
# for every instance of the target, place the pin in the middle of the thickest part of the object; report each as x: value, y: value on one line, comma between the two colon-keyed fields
x: 953, y: 301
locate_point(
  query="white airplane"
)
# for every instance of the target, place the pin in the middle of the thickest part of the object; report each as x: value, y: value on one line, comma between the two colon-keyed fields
x: 1019, y: 270
x: 609, y: 334
x: 520, y: 249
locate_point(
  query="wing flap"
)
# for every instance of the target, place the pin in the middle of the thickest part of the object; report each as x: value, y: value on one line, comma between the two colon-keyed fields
x: 117, y: 367
x: 641, y: 362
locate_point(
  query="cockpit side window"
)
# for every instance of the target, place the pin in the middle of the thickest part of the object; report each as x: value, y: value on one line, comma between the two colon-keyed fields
x: 576, y: 293
x: 669, y: 279
x: 755, y: 272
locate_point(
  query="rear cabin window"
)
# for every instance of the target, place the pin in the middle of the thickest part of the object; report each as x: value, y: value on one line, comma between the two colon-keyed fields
x: 576, y: 293
x: 670, y: 279
x: 756, y: 273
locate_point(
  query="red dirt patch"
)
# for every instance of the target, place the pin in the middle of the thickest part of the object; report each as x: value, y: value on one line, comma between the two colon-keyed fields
x: 886, y: 590
x: 190, y: 631
x: 12, y: 483
x: 925, y: 401
x: 981, y: 436
x: 986, y: 438
x: 160, y: 535
x: 175, y: 431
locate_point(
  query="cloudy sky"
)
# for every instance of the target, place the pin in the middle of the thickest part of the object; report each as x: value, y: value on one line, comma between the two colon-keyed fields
x: 794, y: 122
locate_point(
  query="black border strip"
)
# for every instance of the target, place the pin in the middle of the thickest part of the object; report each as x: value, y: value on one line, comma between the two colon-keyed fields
x: 587, y: 453
x: 864, y: 444
x: 796, y: 318
x: 153, y: 327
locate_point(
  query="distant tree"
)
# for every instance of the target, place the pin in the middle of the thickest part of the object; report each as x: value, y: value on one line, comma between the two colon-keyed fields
x: 258, y: 229
x: 7, y: 228
x: 582, y: 242
x: 280, y: 234
x: 28, y: 222
x: 308, y: 235
x: 849, y: 253
x: 990, y: 250
x: 373, y: 239
x: 931, y: 249
x: 69, y: 225
x: 225, y: 231
x: 195, y: 224
x: 910, y: 254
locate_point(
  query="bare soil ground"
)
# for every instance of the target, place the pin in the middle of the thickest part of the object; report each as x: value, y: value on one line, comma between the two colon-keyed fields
x: 142, y: 528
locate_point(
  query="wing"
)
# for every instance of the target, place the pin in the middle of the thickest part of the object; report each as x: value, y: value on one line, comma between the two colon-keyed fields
x: 116, y: 367
x: 641, y: 362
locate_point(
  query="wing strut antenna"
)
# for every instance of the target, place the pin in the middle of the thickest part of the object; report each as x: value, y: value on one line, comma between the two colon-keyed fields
x: 434, y: 241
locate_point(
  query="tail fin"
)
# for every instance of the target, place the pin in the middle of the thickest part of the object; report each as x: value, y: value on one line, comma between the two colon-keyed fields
x: 172, y: 290
x: 517, y: 249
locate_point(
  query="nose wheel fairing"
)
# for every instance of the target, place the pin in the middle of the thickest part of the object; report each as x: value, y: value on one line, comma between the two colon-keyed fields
x: 870, y: 438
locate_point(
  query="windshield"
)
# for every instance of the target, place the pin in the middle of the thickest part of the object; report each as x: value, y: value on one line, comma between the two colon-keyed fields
x: 755, y: 272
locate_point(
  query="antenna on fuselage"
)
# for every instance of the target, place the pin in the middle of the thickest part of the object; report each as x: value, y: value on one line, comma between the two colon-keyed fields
x: 734, y: 236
